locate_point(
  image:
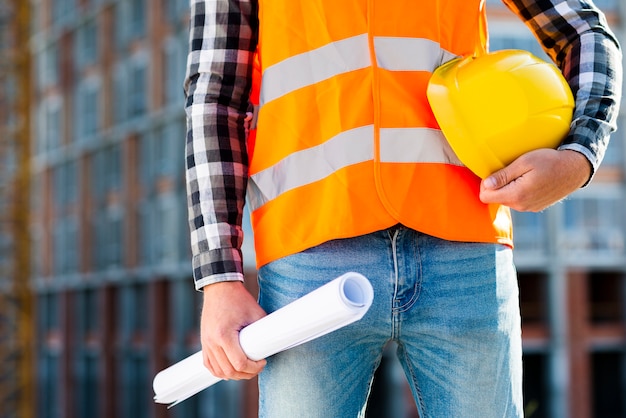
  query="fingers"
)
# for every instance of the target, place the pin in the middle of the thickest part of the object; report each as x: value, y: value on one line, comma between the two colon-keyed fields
x: 225, y: 359
x: 520, y: 193
x: 509, y: 186
x: 234, y: 367
x: 536, y: 180
x: 228, y: 308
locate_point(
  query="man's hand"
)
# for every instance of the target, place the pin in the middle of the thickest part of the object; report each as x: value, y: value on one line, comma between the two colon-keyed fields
x: 228, y: 307
x: 536, y: 180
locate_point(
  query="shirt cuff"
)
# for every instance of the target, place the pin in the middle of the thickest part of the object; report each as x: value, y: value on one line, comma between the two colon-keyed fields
x: 590, y: 138
x: 219, y: 265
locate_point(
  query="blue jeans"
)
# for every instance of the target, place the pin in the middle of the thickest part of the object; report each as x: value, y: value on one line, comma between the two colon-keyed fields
x: 452, y: 308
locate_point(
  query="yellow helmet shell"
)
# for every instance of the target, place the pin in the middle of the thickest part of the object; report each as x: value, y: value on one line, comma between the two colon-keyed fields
x: 495, y: 107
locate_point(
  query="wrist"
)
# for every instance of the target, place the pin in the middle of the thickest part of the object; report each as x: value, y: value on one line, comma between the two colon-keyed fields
x: 221, y: 286
x: 580, y: 166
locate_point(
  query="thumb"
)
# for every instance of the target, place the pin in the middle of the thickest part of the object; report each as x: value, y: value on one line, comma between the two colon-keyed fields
x: 497, y: 180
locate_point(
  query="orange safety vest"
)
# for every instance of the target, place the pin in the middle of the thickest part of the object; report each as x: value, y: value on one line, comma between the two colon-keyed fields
x: 346, y: 142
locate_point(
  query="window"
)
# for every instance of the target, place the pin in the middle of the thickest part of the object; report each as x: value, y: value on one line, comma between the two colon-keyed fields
x: 521, y: 40
x: 72, y: 245
x: 48, y: 310
x: 530, y: 231
x: 115, y: 242
x: 161, y: 160
x: 120, y: 96
x: 614, y: 156
x: 148, y: 245
x: 146, y: 161
x: 135, y: 391
x: 97, y: 2
x: 163, y: 153
x: 594, y: 223
x: 172, y: 149
x: 48, y: 372
x: 49, y: 376
x: 120, y: 27
x: 87, y: 110
x: 137, y: 89
x: 109, y: 239
x: 65, y: 232
x: 130, y: 95
x: 65, y: 184
x: 88, y: 396
x: 90, y: 113
x: 86, y: 45
x: 88, y: 313
x: 48, y: 66
x: 169, y: 228
x: 137, y: 18
x: 98, y: 238
x: 130, y: 21
x: 50, y: 127
x: 606, y: 291
x: 65, y: 239
x: 185, y: 321
x: 608, y: 384
x: 535, y: 391
x: 175, y: 60
x: 108, y: 215
x: 98, y: 176
x: 159, y: 230
x: 87, y: 369
x: 112, y: 167
x: 223, y: 400
x: 54, y: 126
x: 162, y: 157
x: 63, y: 11
x: 533, y: 296
x: 175, y: 9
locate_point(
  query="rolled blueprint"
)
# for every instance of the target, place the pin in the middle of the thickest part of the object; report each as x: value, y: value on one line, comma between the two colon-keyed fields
x: 328, y: 308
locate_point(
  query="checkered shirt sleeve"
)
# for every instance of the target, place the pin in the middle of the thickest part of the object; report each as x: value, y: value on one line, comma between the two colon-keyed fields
x: 575, y: 34
x: 223, y: 37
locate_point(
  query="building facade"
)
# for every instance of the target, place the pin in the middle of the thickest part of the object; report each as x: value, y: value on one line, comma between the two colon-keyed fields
x: 572, y: 263
x: 111, y: 260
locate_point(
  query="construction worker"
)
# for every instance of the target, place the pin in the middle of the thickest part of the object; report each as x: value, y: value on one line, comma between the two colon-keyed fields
x: 350, y: 172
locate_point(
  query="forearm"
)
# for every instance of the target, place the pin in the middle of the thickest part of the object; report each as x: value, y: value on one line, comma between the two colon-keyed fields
x: 596, y: 80
x: 217, y: 88
x: 579, y: 41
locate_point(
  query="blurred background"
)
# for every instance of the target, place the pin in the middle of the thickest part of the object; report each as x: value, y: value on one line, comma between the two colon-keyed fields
x: 96, y: 294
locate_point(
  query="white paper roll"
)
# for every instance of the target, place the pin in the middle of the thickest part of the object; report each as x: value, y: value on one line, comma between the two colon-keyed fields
x: 328, y: 308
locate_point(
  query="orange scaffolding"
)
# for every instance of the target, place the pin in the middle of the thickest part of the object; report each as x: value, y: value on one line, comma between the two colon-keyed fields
x: 17, y: 389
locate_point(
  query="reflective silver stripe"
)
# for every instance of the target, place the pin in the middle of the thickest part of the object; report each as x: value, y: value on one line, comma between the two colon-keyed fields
x: 310, y: 165
x: 415, y: 145
x: 314, y: 66
x: 350, y: 54
x: 409, y: 54
x: 402, y: 145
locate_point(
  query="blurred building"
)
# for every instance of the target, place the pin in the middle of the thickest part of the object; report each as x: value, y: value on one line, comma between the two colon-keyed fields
x: 572, y: 264
x: 111, y: 263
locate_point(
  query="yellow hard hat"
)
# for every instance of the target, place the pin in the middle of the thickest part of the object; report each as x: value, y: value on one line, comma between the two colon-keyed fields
x: 497, y: 106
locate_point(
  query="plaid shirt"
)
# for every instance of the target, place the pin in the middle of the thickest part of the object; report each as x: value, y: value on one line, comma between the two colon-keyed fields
x: 223, y: 38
